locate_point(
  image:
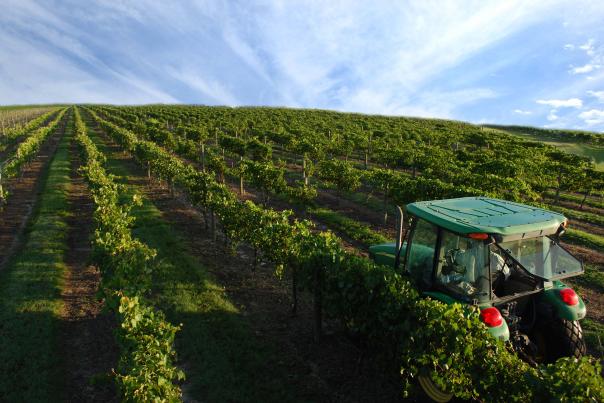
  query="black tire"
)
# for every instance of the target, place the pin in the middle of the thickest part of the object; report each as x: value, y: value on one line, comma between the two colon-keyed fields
x: 431, y: 392
x: 560, y: 338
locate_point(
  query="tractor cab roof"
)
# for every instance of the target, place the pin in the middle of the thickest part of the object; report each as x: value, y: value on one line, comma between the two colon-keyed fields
x: 485, y: 215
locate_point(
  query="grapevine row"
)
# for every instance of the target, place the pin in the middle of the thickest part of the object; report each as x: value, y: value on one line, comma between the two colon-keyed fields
x: 146, y: 370
x: 27, y: 151
x: 14, y: 121
x: 395, y: 186
x: 453, y: 152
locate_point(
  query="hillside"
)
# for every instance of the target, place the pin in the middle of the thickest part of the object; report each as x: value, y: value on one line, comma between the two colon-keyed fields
x: 170, y: 252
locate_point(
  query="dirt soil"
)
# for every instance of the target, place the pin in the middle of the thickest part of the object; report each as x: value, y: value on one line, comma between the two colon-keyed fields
x: 335, y: 370
x: 24, y: 191
x: 577, y: 206
x: 88, y: 346
x: 586, y: 255
x: 587, y: 227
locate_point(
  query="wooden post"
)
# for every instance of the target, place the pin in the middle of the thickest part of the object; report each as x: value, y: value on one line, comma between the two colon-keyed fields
x: 255, y: 263
x: 213, y: 225
x: 241, y: 190
x: 1, y: 189
x: 304, y: 174
x: 318, y: 303
x: 386, y: 205
x: 294, y: 289
x: 559, y: 186
x: 580, y: 207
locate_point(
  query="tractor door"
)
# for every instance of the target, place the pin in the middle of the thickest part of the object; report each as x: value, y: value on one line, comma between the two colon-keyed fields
x: 421, y: 251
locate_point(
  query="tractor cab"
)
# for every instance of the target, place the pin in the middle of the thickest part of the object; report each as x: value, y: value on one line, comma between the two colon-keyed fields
x: 502, y: 256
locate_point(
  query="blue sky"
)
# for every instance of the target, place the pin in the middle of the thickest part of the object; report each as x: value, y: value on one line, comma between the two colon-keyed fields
x: 534, y: 62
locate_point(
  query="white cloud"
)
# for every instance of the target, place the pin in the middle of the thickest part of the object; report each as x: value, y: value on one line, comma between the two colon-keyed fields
x: 588, y: 68
x: 588, y: 47
x: 343, y: 54
x: 246, y: 53
x: 597, y: 94
x: 432, y: 103
x: 593, y: 117
x: 522, y: 112
x: 552, y: 115
x: 595, y: 54
x: 210, y: 88
x: 48, y: 77
x: 562, y: 103
x: 569, y: 46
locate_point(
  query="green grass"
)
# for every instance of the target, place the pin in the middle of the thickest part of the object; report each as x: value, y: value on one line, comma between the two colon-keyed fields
x: 349, y: 227
x: 593, y: 278
x: 370, y: 201
x: 223, y: 359
x: 589, y: 201
x: 579, y: 215
x: 583, y: 238
x: 595, y: 153
x: 593, y: 332
x: 30, y: 295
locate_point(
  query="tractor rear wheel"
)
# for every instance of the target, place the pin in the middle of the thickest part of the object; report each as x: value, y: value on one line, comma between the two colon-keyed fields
x: 560, y: 338
x: 433, y: 392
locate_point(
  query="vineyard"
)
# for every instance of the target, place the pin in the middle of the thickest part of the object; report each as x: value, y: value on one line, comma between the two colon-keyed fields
x: 222, y: 254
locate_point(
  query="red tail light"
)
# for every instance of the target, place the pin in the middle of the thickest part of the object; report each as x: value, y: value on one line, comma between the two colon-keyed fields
x: 491, y: 317
x: 569, y: 296
x: 479, y: 236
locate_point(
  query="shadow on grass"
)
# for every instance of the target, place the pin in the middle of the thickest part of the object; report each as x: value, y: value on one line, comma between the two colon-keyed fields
x: 30, y: 295
x: 224, y: 359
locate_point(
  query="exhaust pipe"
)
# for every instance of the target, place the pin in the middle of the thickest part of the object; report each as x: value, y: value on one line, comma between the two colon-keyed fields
x: 399, y: 237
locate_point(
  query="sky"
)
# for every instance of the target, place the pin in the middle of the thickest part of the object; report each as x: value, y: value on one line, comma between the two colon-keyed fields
x: 538, y: 62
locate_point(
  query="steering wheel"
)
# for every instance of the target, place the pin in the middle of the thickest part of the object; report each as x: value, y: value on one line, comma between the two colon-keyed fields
x: 450, y: 256
x: 450, y: 264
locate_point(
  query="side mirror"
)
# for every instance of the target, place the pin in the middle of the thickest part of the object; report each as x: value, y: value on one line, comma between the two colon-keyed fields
x: 561, y: 230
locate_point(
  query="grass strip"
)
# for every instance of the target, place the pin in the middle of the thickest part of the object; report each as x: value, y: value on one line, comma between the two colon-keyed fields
x: 579, y: 215
x: 593, y: 278
x: 30, y: 294
x: 577, y: 199
x: 582, y: 238
x: 594, y: 336
x: 351, y: 228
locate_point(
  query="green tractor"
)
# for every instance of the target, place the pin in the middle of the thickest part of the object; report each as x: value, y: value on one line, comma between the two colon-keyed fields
x: 501, y: 256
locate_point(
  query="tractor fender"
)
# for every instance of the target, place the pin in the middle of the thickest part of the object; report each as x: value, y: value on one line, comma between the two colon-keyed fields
x: 551, y: 297
x: 501, y: 332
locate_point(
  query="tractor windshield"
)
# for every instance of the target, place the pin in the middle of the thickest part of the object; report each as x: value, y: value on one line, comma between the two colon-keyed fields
x: 543, y: 257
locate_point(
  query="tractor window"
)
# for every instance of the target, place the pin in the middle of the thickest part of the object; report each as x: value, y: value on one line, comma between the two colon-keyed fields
x: 543, y: 257
x: 463, y: 267
x: 421, y: 255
